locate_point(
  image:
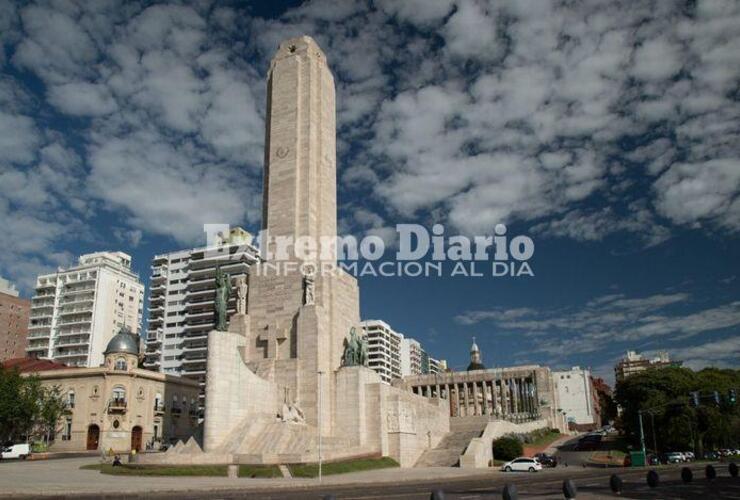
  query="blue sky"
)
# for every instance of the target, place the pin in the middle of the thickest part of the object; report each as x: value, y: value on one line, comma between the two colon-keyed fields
x: 609, y: 132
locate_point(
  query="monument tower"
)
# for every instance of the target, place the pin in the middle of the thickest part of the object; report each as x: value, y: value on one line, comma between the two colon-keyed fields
x: 300, y: 197
x: 277, y: 382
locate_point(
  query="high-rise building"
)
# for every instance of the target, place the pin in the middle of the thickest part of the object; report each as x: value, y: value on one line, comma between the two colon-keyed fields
x: 384, y: 349
x: 633, y: 362
x: 413, y: 358
x: 394, y: 356
x: 181, y: 303
x: 13, y: 321
x: 577, y: 398
x: 76, y: 311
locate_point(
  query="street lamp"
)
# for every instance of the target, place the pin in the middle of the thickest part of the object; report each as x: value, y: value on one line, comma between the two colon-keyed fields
x: 319, y: 419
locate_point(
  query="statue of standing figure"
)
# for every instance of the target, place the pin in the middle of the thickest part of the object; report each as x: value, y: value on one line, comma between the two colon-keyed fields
x: 308, y: 287
x: 355, y: 350
x: 223, y: 292
x: 242, y: 291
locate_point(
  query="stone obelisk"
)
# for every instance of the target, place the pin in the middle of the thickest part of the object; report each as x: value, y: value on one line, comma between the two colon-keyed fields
x: 300, y: 193
x: 291, y: 338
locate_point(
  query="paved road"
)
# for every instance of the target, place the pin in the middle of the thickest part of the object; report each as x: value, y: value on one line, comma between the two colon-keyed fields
x: 63, y: 479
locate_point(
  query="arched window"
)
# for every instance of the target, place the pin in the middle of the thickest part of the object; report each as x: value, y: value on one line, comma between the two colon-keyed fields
x: 71, y: 398
x: 119, y: 395
x: 121, y: 364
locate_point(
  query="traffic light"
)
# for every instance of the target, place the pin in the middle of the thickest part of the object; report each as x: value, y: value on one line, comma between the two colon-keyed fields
x: 715, y: 395
x: 731, y: 397
x: 695, y: 398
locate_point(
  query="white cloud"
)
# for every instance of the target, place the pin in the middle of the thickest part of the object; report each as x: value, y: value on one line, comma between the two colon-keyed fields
x: 82, y: 99
x: 610, y: 324
x: 703, y: 191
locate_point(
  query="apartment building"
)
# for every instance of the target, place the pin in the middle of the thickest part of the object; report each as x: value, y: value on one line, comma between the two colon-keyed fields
x: 394, y: 356
x: 384, y: 349
x: 77, y: 311
x: 181, y: 303
x: 633, y: 362
x: 14, y: 312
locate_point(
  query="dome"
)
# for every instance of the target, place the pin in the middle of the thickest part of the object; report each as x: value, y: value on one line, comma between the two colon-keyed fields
x: 124, y: 342
x: 474, y: 347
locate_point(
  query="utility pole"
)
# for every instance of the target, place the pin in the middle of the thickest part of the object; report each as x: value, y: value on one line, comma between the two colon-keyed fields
x: 319, y: 419
x: 642, y: 435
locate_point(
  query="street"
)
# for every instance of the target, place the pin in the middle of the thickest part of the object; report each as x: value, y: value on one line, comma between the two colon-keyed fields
x: 64, y: 479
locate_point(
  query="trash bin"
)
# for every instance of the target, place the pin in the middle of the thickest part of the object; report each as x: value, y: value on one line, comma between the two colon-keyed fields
x: 637, y: 458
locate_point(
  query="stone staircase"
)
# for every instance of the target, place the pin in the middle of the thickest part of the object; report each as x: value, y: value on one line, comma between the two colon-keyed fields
x: 448, y: 451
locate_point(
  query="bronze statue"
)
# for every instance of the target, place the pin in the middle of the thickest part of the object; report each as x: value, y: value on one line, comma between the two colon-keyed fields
x: 355, y: 350
x: 223, y: 292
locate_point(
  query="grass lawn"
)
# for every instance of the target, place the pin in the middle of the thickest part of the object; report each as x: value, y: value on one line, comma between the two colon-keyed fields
x: 312, y: 470
x: 259, y: 471
x: 159, y: 470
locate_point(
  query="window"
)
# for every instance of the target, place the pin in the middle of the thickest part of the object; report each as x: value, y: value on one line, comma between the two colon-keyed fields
x: 121, y: 364
x: 119, y: 394
x: 67, y: 434
x: 71, y: 398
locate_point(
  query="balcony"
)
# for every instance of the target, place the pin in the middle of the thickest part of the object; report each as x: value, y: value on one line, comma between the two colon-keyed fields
x: 117, y: 405
x: 159, y: 408
x: 176, y: 410
x: 69, y: 342
x: 74, y: 331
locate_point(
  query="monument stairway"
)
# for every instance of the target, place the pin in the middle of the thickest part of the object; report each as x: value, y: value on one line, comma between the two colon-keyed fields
x: 453, y: 444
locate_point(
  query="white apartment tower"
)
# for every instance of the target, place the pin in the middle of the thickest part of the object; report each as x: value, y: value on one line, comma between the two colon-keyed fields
x: 76, y: 311
x: 384, y: 349
x: 394, y: 356
x: 181, y: 303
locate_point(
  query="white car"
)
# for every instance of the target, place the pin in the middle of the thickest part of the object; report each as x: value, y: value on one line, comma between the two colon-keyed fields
x: 16, y: 451
x: 522, y: 464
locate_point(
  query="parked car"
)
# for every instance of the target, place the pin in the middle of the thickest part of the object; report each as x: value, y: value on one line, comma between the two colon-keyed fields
x: 522, y: 464
x: 673, y: 457
x: 653, y: 459
x: 689, y: 456
x: 711, y: 455
x: 546, y: 460
x: 21, y: 451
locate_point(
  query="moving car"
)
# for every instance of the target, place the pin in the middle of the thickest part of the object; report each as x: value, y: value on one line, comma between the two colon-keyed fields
x: 16, y: 451
x: 546, y: 460
x: 522, y: 464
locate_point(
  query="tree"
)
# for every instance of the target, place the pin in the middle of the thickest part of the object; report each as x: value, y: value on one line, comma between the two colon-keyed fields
x: 19, y: 397
x: 677, y: 424
x: 51, y: 408
x: 507, y: 448
x: 26, y: 406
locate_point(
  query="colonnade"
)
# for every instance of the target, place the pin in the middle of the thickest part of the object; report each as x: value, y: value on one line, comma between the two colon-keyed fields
x: 511, y: 398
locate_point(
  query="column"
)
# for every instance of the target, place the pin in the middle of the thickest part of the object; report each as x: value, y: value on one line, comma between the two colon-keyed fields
x: 439, y: 392
x: 515, y: 396
x: 485, y: 410
x: 466, y: 400
x: 476, y: 403
x: 458, y: 396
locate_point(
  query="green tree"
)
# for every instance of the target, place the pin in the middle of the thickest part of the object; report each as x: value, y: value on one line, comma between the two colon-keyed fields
x: 19, y: 409
x: 507, y: 448
x: 51, y: 408
x: 677, y: 424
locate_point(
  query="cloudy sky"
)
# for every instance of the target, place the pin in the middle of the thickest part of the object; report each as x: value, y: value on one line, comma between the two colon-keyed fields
x: 609, y: 131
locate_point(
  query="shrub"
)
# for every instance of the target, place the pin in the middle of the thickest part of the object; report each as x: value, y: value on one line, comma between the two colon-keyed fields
x: 507, y: 448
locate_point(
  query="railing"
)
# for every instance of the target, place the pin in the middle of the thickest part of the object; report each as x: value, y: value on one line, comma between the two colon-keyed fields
x: 116, y: 405
x: 176, y: 409
x: 159, y: 408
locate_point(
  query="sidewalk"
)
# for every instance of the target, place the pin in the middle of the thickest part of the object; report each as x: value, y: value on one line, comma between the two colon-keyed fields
x: 64, y: 477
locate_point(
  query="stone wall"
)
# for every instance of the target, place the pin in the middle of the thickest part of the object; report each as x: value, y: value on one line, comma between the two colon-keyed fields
x: 233, y: 391
x: 479, y: 452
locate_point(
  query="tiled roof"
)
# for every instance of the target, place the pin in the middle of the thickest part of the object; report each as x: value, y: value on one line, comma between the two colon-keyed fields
x: 31, y: 365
